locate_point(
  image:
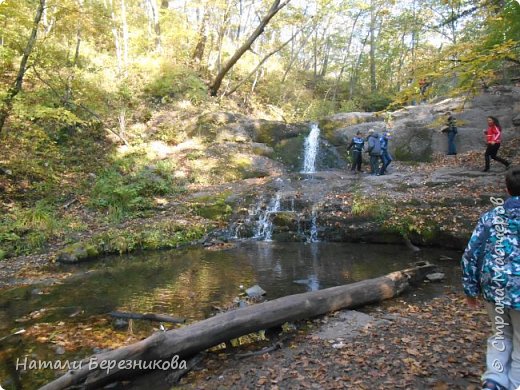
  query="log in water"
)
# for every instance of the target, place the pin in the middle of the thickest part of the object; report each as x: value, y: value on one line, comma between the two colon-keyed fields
x: 189, y: 340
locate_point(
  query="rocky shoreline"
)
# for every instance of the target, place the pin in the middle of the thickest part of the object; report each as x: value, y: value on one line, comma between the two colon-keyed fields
x: 429, y: 204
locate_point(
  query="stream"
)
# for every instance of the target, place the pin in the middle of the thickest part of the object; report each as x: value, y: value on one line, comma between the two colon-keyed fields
x: 189, y: 283
x: 66, y: 321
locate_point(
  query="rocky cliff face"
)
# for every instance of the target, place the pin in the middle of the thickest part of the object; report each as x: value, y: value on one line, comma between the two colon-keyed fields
x: 416, y: 129
x: 430, y: 204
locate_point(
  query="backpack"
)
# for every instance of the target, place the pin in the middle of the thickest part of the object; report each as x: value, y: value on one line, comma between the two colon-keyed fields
x: 374, y: 146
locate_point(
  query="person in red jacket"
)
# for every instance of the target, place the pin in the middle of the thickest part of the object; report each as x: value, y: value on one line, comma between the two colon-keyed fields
x: 493, y: 137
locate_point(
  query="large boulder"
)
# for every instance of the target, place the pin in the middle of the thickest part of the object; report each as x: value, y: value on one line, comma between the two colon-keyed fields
x: 416, y: 132
x: 331, y: 124
x: 272, y: 132
x: 516, y: 120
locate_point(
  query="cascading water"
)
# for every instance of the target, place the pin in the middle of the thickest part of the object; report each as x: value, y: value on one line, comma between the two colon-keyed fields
x: 264, y: 226
x: 311, y: 148
x: 313, y: 236
x: 260, y: 217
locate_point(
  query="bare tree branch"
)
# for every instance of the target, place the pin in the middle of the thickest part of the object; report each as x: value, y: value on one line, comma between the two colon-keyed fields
x: 263, y: 61
x: 275, y: 7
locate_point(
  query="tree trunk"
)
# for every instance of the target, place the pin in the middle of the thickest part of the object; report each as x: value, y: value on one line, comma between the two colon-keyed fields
x: 125, y: 35
x: 74, y: 63
x: 355, y: 70
x: 117, y: 42
x: 275, y: 7
x: 7, y: 102
x: 345, y: 57
x: 198, y: 53
x: 187, y: 341
x: 153, y: 20
x: 373, y: 85
x: 240, y: 13
x: 68, y: 90
x: 222, y: 34
x: 325, y: 63
x: 295, y: 56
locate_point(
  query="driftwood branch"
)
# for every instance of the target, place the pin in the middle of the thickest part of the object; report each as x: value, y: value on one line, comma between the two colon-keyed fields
x: 163, y: 379
x: 260, y: 352
x: 190, y: 340
x: 148, y: 316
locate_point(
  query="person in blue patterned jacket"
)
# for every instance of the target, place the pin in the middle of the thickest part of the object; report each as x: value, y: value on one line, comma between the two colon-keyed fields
x: 491, y: 268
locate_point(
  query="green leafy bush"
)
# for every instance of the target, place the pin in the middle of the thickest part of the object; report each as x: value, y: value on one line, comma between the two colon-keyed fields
x: 374, y: 102
x: 24, y: 231
x: 177, y: 82
x: 130, y: 188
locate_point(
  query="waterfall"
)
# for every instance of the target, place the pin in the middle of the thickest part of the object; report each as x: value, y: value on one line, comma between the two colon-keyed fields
x: 311, y: 147
x: 264, y: 226
x: 313, y: 236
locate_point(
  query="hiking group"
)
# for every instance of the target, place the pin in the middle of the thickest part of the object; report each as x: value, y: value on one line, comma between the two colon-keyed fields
x: 492, y: 134
x: 377, y: 146
x: 377, y: 149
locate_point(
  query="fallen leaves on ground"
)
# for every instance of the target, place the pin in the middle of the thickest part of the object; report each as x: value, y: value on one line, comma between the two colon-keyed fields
x: 437, y: 345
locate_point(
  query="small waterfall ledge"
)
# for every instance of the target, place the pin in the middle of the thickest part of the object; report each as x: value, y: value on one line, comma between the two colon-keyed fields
x: 285, y: 215
x: 311, y: 148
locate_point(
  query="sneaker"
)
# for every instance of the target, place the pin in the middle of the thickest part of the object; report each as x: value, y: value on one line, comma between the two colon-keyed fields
x: 490, y: 384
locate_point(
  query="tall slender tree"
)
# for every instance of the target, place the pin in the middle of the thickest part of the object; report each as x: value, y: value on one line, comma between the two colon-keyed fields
x: 16, y: 88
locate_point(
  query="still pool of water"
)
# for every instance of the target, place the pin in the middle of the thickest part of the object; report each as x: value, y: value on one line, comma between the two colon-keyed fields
x: 191, y: 283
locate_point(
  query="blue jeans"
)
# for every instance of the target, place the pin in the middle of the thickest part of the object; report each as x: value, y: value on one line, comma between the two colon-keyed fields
x: 387, y: 159
x: 451, y: 142
x: 503, y: 347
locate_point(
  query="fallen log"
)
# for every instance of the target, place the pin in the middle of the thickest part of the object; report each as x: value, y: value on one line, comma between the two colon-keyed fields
x: 147, y: 316
x: 189, y: 340
x: 161, y: 379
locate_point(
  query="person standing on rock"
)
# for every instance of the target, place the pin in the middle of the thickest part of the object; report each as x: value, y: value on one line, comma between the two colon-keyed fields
x: 451, y: 130
x: 491, y: 268
x: 357, y: 144
x: 374, y: 151
x: 385, y: 156
x: 493, y: 135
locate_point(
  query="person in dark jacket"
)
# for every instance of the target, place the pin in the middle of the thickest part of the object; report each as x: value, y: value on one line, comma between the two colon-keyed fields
x: 451, y: 130
x: 374, y: 151
x: 493, y: 135
x: 385, y: 155
x: 491, y: 268
x: 357, y: 144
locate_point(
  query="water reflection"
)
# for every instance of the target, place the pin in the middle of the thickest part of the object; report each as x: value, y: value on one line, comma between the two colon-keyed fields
x: 190, y: 283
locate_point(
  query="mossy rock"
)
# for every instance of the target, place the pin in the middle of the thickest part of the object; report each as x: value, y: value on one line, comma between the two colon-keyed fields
x: 260, y: 149
x: 287, y: 236
x: 218, y: 211
x: 331, y: 123
x: 207, y: 125
x: 77, y: 252
x: 3, y: 254
x: 286, y: 219
x: 289, y: 152
x: 272, y: 132
x: 215, y: 207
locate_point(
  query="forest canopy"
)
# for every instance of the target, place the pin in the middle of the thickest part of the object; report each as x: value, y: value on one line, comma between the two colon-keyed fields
x: 75, y: 62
